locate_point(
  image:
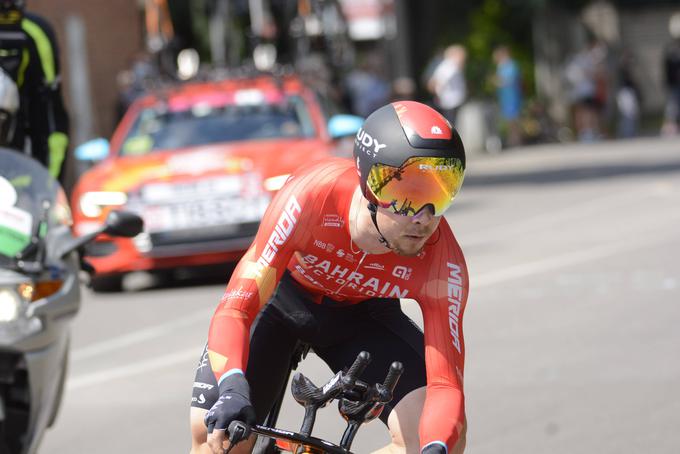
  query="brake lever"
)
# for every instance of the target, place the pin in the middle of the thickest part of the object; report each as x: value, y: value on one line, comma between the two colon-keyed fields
x: 238, y: 431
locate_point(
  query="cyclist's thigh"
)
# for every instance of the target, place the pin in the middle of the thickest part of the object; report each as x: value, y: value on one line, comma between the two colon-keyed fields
x: 388, y: 335
x: 204, y: 392
x: 271, y: 349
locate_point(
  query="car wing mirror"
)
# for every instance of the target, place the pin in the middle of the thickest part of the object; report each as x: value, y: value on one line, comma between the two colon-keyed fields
x: 93, y: 150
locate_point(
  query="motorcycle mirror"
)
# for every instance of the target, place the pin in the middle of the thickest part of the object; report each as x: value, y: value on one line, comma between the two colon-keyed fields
x: 123, y: 223
x: 118, y: 223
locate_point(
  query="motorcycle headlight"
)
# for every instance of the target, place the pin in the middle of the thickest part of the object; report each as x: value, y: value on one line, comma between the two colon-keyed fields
x: 11, y: 305
x: 91, y: 203
x: 16, y: 318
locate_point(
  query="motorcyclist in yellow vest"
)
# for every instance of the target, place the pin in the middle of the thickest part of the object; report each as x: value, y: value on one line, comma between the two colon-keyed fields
x: 29, y: 55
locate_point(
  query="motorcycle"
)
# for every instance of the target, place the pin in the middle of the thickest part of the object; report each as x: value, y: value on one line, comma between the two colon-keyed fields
x: 40, y: 268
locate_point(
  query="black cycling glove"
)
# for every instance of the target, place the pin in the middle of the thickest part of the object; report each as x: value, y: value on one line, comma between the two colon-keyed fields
x: 434, y: 448
x: 232, y: 405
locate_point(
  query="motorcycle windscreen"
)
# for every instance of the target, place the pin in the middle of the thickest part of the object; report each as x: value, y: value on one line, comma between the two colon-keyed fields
x: 15, y: 223
x: 15, y: 230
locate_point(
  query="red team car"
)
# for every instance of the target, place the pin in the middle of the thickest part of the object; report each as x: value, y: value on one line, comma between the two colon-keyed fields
x: 200, y: 162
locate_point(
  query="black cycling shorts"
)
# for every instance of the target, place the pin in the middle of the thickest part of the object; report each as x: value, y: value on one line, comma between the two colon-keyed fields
x: 336, y: 333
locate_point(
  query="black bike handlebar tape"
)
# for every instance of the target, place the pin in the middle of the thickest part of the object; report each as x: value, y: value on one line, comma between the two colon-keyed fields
x: 396, y: 369
x: 356, y: 369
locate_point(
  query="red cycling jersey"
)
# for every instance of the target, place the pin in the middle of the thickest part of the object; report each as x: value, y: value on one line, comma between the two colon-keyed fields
x: 306, y: 231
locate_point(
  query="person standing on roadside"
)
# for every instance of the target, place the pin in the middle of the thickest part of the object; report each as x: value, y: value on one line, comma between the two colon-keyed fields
x: 671, y: 65
x: 447, y: 83
x: 509, y: 90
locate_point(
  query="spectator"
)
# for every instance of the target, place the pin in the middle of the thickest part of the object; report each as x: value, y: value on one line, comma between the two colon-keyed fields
x: 447, y: 83
x: 585, y: 75
x: 367, y: 91
x: 509, y: 88
x: 627, y: 100
x: 672, y: 74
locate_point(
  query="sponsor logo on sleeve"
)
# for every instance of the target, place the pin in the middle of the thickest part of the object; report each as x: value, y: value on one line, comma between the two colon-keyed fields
x: 203, y: 362
x: 282, y: 231
x: 236, y: 294
x: 454, y: 295
x: 200, y: 399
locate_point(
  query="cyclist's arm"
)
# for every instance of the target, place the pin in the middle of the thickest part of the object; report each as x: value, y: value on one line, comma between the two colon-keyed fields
x: 255, y: 279
x: 443, y: 417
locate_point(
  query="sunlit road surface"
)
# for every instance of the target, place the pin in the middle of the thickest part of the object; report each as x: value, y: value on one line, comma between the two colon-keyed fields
x: 572, y: 326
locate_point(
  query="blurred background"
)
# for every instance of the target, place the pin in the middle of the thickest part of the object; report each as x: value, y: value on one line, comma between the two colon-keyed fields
x: 610, y: 53
x: 569, y: 110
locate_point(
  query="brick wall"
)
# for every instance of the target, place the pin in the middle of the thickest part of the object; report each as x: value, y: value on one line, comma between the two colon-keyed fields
x: 113, y: 37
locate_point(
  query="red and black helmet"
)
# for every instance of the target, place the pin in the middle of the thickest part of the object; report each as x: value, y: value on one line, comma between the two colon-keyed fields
x: 408, y: 156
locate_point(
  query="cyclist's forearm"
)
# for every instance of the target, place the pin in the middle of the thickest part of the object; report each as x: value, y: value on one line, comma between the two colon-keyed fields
x: 443, y: 416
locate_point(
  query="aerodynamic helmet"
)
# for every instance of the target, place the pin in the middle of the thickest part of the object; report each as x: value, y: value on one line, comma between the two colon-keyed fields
x: 408, y: 157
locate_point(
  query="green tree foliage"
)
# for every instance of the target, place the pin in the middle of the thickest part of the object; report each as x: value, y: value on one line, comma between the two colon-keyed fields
x: 494, y: 23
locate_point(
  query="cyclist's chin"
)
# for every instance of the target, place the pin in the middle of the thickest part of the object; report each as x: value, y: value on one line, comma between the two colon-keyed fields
x: 409, y: 247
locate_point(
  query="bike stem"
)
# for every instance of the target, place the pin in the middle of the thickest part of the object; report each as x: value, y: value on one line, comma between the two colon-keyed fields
x: 349, y: 433
x: 309, y: 419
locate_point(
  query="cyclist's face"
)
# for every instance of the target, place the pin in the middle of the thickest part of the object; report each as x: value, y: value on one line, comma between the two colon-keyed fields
x: 407, y: 234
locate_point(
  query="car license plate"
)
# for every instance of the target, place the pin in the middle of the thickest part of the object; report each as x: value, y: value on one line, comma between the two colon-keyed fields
x: 229, y: 186
x: 204, y: 213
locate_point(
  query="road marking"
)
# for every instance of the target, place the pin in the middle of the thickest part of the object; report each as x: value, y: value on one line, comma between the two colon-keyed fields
x: 140, y: 336
x: 560, y: 261
x: 546, y: 219
x: 140, y: 367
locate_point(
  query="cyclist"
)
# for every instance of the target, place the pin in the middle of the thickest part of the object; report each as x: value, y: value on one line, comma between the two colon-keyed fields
x: 29, y: 54
x: 333, y: 255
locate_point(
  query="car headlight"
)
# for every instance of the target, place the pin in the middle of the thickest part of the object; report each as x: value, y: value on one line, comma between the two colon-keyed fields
x: 11, y: 305
x: 91, y: 203
x: 275, y: 183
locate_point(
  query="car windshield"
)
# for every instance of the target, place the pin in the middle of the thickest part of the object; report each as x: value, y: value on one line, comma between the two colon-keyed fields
x: 166, y: 128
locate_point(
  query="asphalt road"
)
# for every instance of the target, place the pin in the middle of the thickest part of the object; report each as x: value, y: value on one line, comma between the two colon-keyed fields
x: 572, y: 326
